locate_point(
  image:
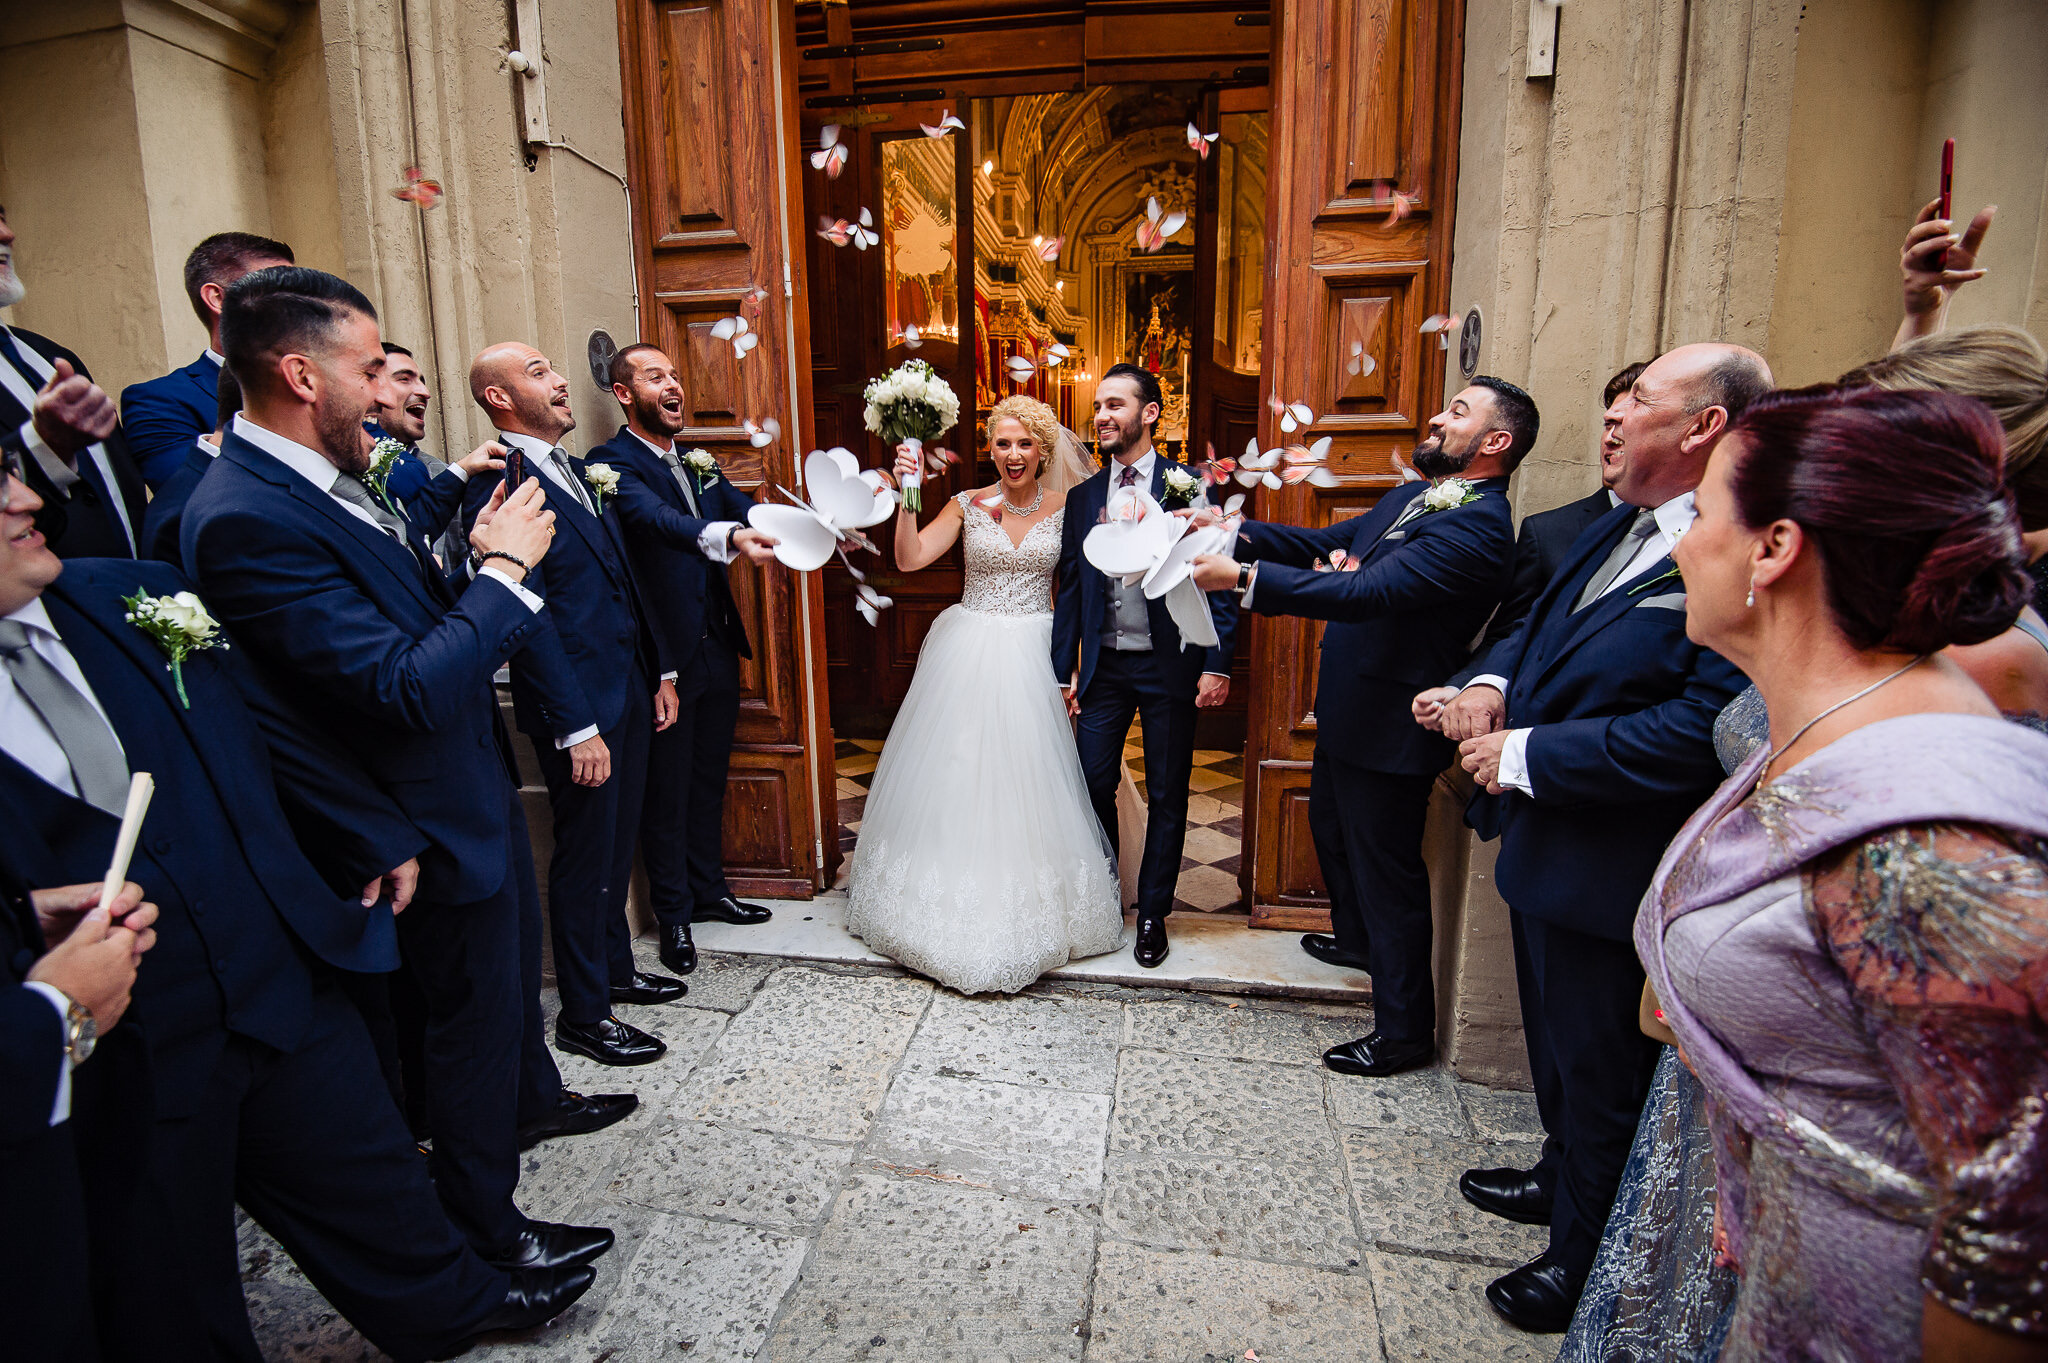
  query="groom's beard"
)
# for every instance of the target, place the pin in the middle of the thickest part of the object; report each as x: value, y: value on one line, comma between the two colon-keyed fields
x: 1125, y: 436
x: 343, y: 438
x: 1432, y: 459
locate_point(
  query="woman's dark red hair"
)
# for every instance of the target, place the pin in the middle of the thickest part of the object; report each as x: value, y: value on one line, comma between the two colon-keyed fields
x: 1903, y: 494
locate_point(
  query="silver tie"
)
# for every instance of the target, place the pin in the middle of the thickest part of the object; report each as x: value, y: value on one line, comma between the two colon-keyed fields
x: 675, y: 466
x: 97, y: 764
x: 576, y: 487
x: 1645, y: 525
x: 354, y: 490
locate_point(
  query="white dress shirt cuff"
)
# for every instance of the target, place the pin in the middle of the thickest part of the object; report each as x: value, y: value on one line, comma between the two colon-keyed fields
x: 459, y: 472
x: 1499, y: 684
x: 668, y: 676
x: 1514, y: 762
x: 580, y: 736
x: 526, y: 598
x: 60, y: 1111
x: 53, y: 464
x: 716, y: 541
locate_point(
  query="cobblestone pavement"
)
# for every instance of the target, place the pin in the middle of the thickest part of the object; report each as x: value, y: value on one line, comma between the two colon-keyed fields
x: 856, y: 1164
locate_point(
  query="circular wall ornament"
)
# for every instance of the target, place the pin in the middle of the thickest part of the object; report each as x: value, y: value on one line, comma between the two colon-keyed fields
x: 1469, y: 339
x: 602, y: 351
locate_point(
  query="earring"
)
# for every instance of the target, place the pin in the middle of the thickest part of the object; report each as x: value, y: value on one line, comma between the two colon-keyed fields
x: 1751, y: 601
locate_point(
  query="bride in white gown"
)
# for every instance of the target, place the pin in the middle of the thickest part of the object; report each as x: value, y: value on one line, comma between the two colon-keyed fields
x: 980, y: 862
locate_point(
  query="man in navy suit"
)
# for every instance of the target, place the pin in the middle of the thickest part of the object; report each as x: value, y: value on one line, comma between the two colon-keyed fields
x: 1590, y: 733
x: 163, y: 416
x: 684, y: 523
x: 257, y: 1084
x: 1414, y: 579
x: 339, y: 603
x: 78, y: 464
x: 167, y: 505
x: 1114, y: 652
x: 429, y: 488
x: 590, y: 692
x: 1546, y: 538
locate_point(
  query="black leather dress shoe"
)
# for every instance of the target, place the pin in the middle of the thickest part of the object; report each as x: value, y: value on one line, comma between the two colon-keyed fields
x: 730, y: 910
x: 1323, y: 947
x: 1375, y: 1057
x: 1150, y: 947
x: 1511, y: 1193
x: 608, y: 1041
x: 678, y: 952
x: 645, y: 988
x: 578, y: 1114
x: 1539, y: 1297
x: 549, y: 1244
x: 537, y: 1295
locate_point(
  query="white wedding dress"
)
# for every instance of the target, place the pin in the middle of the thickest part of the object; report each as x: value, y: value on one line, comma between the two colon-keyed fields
x: 980, y: 861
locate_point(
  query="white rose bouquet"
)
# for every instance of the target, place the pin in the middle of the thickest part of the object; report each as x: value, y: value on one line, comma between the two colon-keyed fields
x: 910, y: 405
x: 179, y: 625
x: 1450, y: 492
x: 603, y: 480
x: 384, y: 457
x: 701, y: 463
x: 1181, y: 487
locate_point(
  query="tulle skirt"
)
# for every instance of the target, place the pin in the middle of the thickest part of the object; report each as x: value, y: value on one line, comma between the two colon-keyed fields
x: 980, y: 861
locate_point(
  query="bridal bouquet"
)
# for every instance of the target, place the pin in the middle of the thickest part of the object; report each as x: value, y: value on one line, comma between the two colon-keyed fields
x: 910, y: 405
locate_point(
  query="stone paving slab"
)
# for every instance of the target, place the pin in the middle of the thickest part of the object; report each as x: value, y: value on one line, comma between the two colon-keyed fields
x: 1205, y: 1027
x: 1419, y: 1102
x: 729, y: 1173
x: 721, y: 982
x: 1500, y: 1114
x: 1198, y: 1106
x: 1154, y: 1307
x: 811, y: 1056
x: 689, y: 1032
x: 1063, y: 1043
x: 917, y: 1269
x: 1406, y: 1190
x: 1268, y: 1209
x: 1436, y: 1312
x: 1034, y: 1142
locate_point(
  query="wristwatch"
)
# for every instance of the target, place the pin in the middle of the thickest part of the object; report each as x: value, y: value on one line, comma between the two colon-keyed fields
x: 81, y: 1033
x: 1244, y: 578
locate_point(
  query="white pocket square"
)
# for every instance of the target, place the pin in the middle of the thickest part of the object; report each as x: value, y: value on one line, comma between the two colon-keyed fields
x: 1671, y: 601
x: 1393, y: 535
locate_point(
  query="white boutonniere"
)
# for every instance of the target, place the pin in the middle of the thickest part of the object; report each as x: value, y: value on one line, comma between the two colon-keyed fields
x: 384, y: 457
x: 1451, y: 492
x: 1180, y: 487
x: 703, y: 465
x: 179, y: 625
x: 603, y: 480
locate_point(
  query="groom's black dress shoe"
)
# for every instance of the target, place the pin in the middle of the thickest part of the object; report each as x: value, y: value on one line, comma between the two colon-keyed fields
x: 1540, y: 1296
x: 730, y: 910
x: 678, y: 952
x: 548, y: 1244
x: 1324, y: 948
x: 608, y: 1041
x: 644, y: 988
x: 578, y: 1114
x: 1375, y: 1057
x: 536, y: 1296
x: 1507, y: 1192
x: 1149, y: 949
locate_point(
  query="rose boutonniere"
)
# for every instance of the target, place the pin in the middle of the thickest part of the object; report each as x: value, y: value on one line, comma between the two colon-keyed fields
x: 384, y: 457
x: 1448, y: 493
x: 1180, y: 488
x: 603, y: 480
x: 179, y: 625
x: 1668, y: 575
x: 703, y: 465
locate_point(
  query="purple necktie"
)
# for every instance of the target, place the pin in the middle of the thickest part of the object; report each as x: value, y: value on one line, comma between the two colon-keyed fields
x: 1128, y: 476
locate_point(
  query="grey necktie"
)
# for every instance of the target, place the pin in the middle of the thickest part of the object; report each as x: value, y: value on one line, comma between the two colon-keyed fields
x: 97, y: 765
x: 1645, y: 525
x: 352, y: 489
x: 675, y: 466
x: 569, y: 476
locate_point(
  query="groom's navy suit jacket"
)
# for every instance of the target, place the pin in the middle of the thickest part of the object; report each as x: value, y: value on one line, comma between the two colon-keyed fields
x: 163, y: 415
x: 687, y: 592
x: 1399, y: 623
x: 1082, y: 601
x: 372, y: 650
x: 1622, y: 707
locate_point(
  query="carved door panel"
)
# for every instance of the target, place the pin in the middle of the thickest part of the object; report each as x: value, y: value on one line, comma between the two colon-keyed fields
x: 1364, y: 139
x: 710, y: 110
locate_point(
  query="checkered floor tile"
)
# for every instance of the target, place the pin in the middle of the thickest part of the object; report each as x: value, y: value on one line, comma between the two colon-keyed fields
x: 1209, y: 861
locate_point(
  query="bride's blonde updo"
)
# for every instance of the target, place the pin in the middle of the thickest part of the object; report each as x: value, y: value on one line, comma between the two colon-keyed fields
x: 1035, y: 417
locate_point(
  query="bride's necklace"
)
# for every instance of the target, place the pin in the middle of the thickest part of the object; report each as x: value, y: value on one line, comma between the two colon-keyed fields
x: 1779, y: 751
x: 1036, y: 502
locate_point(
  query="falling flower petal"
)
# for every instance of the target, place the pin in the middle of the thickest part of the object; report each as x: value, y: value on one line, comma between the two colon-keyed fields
x: 863, y: 232
x: 1158, y: 227
x: 1021, y: 369
x: 910, y: 336
x: 870, y: 603
x: 831, y: 154
x: 1055, y: 353
x: 419, y: 190
x: 1049, y: 249
x: 1360, y: 363
x: 736, y: 330
x: 1200, y: 141
x: 1403, y: 205
x: 838, y: 232
x: 761, y: 434
x: 947, y: 124
x: 753, y: 300
x: 1295, y: 416
x: 1408, y: 475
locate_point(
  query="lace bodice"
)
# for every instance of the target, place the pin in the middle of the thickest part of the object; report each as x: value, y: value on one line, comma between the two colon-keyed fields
x: 1003, y: 579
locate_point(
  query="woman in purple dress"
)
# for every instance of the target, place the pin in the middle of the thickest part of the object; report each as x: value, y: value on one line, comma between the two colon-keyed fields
x: 1851, y: 938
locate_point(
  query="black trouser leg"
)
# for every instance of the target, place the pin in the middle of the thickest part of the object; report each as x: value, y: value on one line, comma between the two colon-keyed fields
x: 1379, y: 817
x: 1326, y: 828
x: 1542, y: 1063
x: 1106, y: 709
x: 540, y: 1082
x: 1591, y: 991
x: 1166, y: 713
x: 682, y: 825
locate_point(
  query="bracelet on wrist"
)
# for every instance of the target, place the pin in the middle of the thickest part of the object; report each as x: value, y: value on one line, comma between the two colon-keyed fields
x: 487, y: 555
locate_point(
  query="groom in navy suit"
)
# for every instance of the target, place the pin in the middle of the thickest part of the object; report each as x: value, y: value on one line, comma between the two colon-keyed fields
x: 1416, y: 578
x: 1590, y: 733
x: 1114, y: 652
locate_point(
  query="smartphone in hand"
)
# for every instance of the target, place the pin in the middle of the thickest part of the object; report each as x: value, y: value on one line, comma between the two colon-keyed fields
x: 515, y: 466
x: 1948, y: 176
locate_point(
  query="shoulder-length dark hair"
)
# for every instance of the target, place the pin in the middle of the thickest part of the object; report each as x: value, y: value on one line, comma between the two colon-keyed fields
x: 1903, y: 496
